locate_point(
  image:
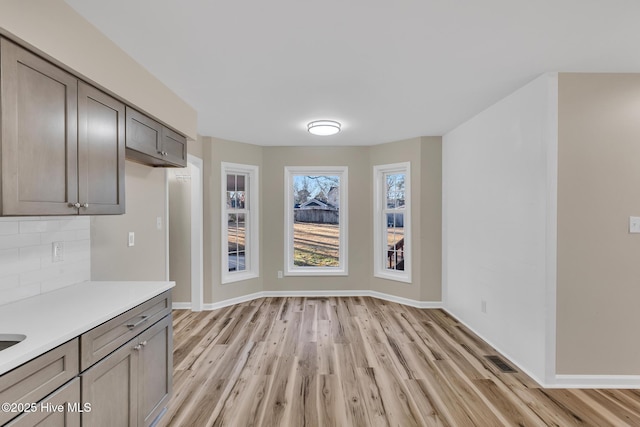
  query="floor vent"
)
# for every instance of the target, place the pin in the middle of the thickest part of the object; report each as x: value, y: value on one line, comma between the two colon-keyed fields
x: 501, y: 364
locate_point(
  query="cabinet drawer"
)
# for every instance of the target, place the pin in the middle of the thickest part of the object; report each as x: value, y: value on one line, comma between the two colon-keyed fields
x: 48, y: 411
x: 34, y: 380
x: 104, y: 339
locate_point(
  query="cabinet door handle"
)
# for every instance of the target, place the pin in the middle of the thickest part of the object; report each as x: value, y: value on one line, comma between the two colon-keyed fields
x: 74, y: 205
x: 85, y: 205
x: 143, y: 343
x: 137, y: 347
x: 133, y: 325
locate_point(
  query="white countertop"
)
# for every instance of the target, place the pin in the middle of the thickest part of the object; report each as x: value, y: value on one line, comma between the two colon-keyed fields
x: 53, y: 318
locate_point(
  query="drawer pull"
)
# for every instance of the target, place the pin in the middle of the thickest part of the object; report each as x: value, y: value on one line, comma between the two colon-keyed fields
x: 139, y: 322
x: 137, y: 347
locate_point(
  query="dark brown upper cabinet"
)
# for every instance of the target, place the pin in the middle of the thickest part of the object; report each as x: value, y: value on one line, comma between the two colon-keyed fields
x: 151, y: 143
x: 62, y: 141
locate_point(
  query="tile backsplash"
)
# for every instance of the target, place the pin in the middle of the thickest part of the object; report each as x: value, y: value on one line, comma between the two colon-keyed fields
x: 26, y: 255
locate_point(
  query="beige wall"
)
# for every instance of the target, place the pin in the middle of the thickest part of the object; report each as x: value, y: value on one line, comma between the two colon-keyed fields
x: 359, y: 179
x: 146, y: 195
x: 180, y: 182
x: 598, y: 189
x: 180, y: 232
x: 196, y: 147
x: 55, y: 29
x: 396, y: 152
x: 111, y: 258
x: 216, y: 151
x: 431, y: 218
x: 425, y: 155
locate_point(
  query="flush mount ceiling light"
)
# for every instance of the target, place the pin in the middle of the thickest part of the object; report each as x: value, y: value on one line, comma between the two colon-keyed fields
x: 323, y: 127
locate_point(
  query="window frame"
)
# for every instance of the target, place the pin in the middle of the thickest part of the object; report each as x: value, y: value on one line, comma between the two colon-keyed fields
x: 380, y: 247
x: 252, y: 216
x: 343, y: 214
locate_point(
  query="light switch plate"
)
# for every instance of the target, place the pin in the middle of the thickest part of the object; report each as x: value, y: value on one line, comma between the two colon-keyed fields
x: 159, y: 223
x: 634, y: 224
x: 132, y: 239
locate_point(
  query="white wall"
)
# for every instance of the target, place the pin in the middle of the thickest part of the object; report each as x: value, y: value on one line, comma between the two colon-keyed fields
x: 499, y: 181
x: 26, y: 267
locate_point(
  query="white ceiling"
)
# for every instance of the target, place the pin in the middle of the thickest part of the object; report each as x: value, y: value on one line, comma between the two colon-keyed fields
x: 258, y: 71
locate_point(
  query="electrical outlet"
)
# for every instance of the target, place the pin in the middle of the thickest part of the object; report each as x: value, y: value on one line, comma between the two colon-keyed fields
x: 159, y: 223
x: 279, y: 274
x: 57, y: 251
x: 634, y: 224
x: 132, y: 239
x: 483, y: 306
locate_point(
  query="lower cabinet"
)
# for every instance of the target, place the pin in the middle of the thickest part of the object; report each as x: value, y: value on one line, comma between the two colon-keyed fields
x: 155, y: 374
x: 117, y: 374
x: 29, y: 386
x: 132, y: 385
x: 60, y: 409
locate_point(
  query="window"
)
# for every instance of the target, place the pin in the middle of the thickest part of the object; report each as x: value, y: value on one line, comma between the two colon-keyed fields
x: 392, y: 221
x: 315, y: 221
x: 239, y: 222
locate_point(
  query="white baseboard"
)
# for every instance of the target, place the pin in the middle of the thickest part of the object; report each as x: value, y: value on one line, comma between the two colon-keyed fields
x: 181, y: 306
x: 504, y: 353
x: 595, y: 381
x: 405, y: 301
x: 366, y: 293
x: 565, y: 381
x: 311, y: 294
x: 284, y: 294
x: 232, y: 301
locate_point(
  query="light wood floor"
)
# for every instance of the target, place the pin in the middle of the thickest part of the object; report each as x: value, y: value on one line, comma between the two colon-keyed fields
x: 359, y: 362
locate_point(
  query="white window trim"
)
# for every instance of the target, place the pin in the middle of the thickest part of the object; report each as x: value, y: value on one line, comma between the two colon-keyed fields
x: 379, y: 221
x: 290, y: 268
x: 252, y: 249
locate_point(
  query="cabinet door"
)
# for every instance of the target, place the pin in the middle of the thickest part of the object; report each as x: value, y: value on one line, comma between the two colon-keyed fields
x: 101, y: 136
x: 61, y: 409
x: 174, y: 147
x: 156, y: 370
x: 144, y: 135
x: 111, y: 387
x: 39, y: 135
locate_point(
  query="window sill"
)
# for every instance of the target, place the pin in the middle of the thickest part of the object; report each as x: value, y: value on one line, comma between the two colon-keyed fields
x: 313, y: 271
x: 405, y: 278
x: 238, y: 277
